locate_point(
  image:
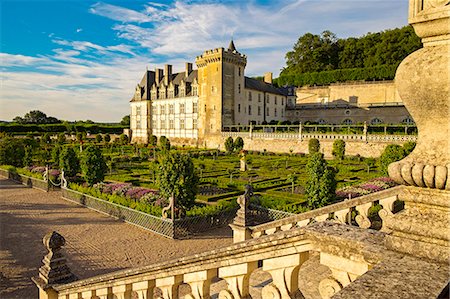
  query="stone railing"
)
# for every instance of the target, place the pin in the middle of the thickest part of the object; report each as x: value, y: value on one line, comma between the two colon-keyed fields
x: 306, y: 136
x: 26, y: 180
x: 340, y: 212
x: 233, y: 264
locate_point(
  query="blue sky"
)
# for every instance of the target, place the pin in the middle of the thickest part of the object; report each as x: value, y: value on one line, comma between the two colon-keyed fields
x: 80, y: 59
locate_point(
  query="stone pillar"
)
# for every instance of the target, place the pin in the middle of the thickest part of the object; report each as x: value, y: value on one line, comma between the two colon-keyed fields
x: 422, y: 80
x: 240, y: 224
x: 54, y: 269
x: 237, y: 278
x: 300, y: 135
x: 251, y: 131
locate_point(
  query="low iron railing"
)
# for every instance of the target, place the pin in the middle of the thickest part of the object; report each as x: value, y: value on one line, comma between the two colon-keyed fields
x: 26, y: 180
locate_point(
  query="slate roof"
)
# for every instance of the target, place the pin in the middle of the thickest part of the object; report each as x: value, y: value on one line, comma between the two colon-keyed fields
x: 259, y: 85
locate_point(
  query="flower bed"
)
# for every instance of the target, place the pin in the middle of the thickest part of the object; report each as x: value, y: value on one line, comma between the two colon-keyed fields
x: 371, y: 186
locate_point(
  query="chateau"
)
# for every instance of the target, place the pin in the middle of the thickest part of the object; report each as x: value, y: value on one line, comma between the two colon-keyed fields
x: 194, y: 104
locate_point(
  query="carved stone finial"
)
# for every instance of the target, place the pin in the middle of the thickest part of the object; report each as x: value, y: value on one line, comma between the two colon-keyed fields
x: 54, y: 270
x: 242, y: 216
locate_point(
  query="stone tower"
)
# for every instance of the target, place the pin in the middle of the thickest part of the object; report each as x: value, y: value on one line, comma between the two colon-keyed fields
x: 221, y: 87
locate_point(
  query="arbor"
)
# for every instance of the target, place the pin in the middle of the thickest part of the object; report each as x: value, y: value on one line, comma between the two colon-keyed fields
x: 229, y: 145
x: 164, y: 143
x: 177, y: 177
x: 321, y: 184
x: 391, y: 153
x: 238, y: 144
x: 339, y: 149
x: 93, y: 166
x: 313, y: 146
x: 69, y: 162
x: 12, y: 151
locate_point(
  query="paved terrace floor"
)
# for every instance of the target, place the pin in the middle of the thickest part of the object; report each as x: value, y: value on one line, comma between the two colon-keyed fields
x: 95, y: 243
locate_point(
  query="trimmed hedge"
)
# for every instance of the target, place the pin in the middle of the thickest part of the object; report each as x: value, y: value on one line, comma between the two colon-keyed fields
x: 56, y: 128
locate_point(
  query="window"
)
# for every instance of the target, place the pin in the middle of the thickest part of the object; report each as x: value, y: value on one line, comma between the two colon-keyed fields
x: 171, y: 109
x: 276, y: 100
x: 154, y: 124
x: 170, y: 94
x: 275, y: 112
x: 249, y: 96
x: 194, y: 107
x: 182, y: 92
x: 321, y: 121
x: 249, y: 109
x: 282, y: 101
x: 194, y: 123
x: 408, y: 120
x: 182, y: 108
x: 239, y: 72
x: 347, y: 121
x: 267, y: 99
x: 182, y: 124
x: 171, y: 124
x: 239, y: 88
x: 376, y: 121
x: 138, y: 110
x: 162, y: 124
x: 267, y: 111
x: 259, y: 110
x: 239, y: 108
x: 154, y: 110
x: 194, y: 90
x: 282, y: 113
x: 259, y: 98
x: 138, y: 124
x: 163, y: 109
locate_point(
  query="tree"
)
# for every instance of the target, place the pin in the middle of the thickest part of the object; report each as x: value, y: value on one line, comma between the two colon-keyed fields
x: 125, y: 120
x: 164, y: 143
x: 28, y: 156
x: 79, y: 137
x: 339, y: 149
x: 69, y: 162
x: 391, y: 153
x: 99, y: 138
x: 12, y: 151
x: 36, y: 117
x: 370, y: 162
x: 321, y: 184
x: 229, y: 145
x: 292, y: 178
x: 123, y: 139
x: 313, y: 146
x: 201, y: 167
x: 61, y: 138
x: 153, y: 140
x: 177, y: 177
x: 56, y: 151
x: 238, y: 144
x: 409, y: 147
x: 93, y: 166
x: 46, y: 138
x: 107, y: 138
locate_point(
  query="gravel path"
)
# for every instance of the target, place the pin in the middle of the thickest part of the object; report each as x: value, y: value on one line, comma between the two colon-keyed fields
x: 95, y: 243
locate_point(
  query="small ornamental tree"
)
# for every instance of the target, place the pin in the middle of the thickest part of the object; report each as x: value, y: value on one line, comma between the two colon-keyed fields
x: 409, y: 147
x: 69, y: 162
x: 99, y: 138
x: 177, y: 177
x: 56, y: 151
x: 93, y: 166
x: 12, y: 151
x: 123, y: 139
x: 153, y: 140
x: 164, y: 143
x: 391, y: 153
x: 238, y: 144
x: 61, y: 138
x: 321, y: 184
x: 107, y: 138
x: 79, y: 136
x: 28, y: 156
x: 313, y: 146
x: 229, y: 145
x: 46, y: 138
x: 339, y: 149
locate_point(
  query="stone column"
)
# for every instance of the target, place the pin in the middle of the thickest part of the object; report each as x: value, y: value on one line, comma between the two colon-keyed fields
x: 422, y: 80
x: 54, y: 269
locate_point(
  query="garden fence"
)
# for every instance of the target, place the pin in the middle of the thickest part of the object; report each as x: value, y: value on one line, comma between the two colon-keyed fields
x: 26, y: 180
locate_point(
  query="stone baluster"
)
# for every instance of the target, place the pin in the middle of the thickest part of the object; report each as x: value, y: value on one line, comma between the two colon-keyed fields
x: 321, y: 218
x: 273, y: 230
x: 286, y: 227
x: 169, y: 286
x: 88, y: 294
x: 144, y: 289
x: 386, y: 211
x: 284, y: 272
x: 362, y: 218
x: 200, y: 283
x: 122, y: 291
x: 257, y: 234
x: 341, y: 216
x: 104, y: 293
x: 303, y: 223
x: 237, y: 278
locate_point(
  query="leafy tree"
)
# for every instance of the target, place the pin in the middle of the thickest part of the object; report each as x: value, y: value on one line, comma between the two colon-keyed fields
x: 229, y: 145
x: 238, y: 144
x: 313, y: 146
x: 123, y: 139
x: 391, y: 153
x: 68, y: 160
x: 93, y: 166
x: 164, y: 143
x: 370, y: 162
x: 107, y: 138
x: 56, y: 151
x: 339, y: 149
x: 79, y: 137
x: 61, y: 138
x: 292, y: 178
x: 12, y: 151
x: 125, y: 120
x: 177, y: 177
x: 321, y: 184
x: 153, y: 140
x: 28, y: 156
x: 98, y: 138
x: 409, y: 147
x: 46, y: 138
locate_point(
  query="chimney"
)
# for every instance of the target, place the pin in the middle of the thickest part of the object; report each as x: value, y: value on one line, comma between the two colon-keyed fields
x: 268, y: 77
x: 167, y: 74
x: 158, y: 76
x: 188, y: 68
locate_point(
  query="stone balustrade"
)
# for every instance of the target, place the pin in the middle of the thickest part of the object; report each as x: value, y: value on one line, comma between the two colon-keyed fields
x: 339, y: 212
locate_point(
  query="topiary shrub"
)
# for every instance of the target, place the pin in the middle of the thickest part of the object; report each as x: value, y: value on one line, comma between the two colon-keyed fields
x: 238, y: 144
x: 99, y: 138
x: 69, y: 162
x: 93, y: 166
x: 409, y: 147
x: 391, y: 153
x: 339, y: 149
x: 12, y: 151
x: 164, y: 143
x: 153, y: 140
x: 313, y: 146
x: 229, y: 145
x: 321, y: 184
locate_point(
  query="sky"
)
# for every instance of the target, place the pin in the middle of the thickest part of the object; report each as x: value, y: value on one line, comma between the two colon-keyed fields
x: 81, y: 59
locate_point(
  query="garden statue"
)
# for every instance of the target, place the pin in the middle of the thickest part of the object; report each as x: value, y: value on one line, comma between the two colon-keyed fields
x: 243, y: 159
